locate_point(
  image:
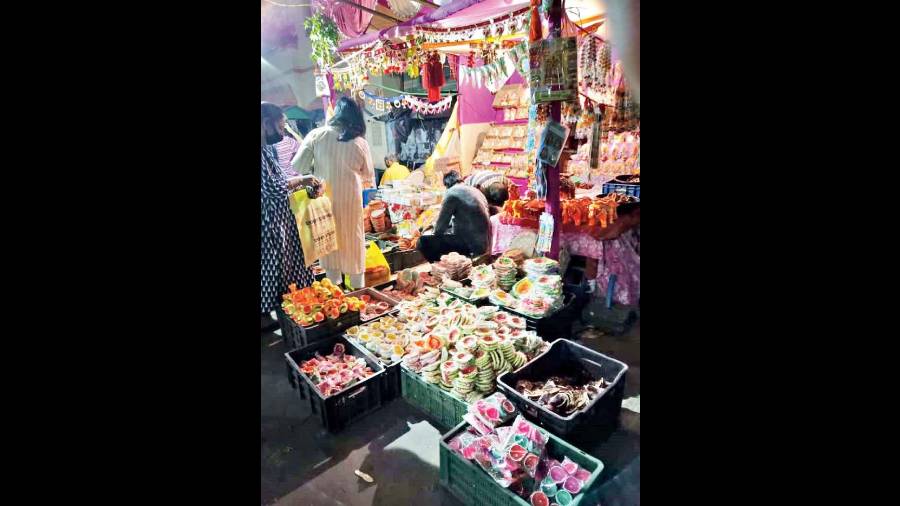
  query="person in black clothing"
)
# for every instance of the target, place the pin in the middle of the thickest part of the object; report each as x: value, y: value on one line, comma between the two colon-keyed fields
x: 463, y: 224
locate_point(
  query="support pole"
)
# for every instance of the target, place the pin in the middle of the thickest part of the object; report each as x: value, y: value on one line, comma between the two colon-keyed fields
x: 553, y: 205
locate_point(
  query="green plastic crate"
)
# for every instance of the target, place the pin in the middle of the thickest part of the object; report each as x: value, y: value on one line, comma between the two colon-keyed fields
x: 438, y: 404
x: 471, y: 485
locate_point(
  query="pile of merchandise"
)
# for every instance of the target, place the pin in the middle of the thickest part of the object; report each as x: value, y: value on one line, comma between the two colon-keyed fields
x: 384, y: 338
x: 538, y: 294
x: 506, y: 272
x: 453, y: 266
x: 516, y: 456
x: 336, y: 372
x: 313, y: 304
x: 410, y: 283
x: 462, y: 348
x: 585, y: 215
x: 562, y: 395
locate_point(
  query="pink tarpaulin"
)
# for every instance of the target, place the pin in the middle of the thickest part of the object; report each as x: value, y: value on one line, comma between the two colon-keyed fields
x: 351, y: 21
x: 476, y: 102
x: 463, y: 12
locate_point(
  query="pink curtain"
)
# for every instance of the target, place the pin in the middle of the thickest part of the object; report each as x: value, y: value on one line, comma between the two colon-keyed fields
x: 352, y: 22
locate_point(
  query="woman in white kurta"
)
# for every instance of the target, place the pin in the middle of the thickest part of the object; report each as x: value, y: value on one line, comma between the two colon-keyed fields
x: 339, y: 154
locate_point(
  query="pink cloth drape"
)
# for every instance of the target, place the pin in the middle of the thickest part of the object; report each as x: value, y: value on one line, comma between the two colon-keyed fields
x: 352, y: 22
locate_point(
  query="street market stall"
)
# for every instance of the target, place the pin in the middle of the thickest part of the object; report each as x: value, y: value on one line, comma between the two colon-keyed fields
x: 483, y: 344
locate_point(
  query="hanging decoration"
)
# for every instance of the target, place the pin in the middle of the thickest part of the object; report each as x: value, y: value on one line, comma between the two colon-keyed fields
x: 495, y: 74
x: 512, y: 23
x: 408, y: 101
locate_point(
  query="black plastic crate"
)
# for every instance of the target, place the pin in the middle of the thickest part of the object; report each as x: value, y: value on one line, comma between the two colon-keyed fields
x: 566, y: 358
x: 557, y: 325
x: 390, y: 379
x: 411, y: 258
x: 298, y: 336
x: 632, y: 190
x: 339, y: 410
x: 390, y: 382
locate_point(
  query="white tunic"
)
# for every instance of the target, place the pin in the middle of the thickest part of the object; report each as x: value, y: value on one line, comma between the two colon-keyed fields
x: 347, y: 169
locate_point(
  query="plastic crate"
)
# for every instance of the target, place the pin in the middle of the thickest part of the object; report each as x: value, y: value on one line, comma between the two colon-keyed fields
x: 438, y: 404
x: 471, y: 485
x: 632, y: 190
x: 297, y: 336
x: 341, y: 409
x: 375, y: 295
x: 390, y: 380
x: 565, y: 358
x: 368, y: 195
x: 411, y: 258
x: 557, y: 325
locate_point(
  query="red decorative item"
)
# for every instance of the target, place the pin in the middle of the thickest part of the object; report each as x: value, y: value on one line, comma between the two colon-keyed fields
x: 433, y: 77
x: 535, y: 31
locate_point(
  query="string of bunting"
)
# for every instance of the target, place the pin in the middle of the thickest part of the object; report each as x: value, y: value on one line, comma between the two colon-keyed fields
x: 381, y: 104
x: 514, y: 22
x: 495, y: 74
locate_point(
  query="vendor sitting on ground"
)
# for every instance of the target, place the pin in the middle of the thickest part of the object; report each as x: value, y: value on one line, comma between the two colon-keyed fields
x: 395, y: 171
x: 467, y: 208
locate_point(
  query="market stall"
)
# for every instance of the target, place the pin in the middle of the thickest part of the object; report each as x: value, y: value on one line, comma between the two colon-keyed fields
x: 483, y: 345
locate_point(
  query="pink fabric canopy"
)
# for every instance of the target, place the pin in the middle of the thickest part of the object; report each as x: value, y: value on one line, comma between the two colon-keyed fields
x: 454, y: 14
x: 351, y: 21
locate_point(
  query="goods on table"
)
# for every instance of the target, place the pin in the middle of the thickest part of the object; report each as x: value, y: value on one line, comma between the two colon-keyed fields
x: 410, y: 283
x: 537, y: 295
x: 482, y: 276
x: 540, y: 266
x: 315, y: 303
x: 462, y: 348
x: 336, y: 372
x: 470, y: 293
x: 578, y: 214
x: 517, y: 255
x: 385, y: 338
x: 374, y: 308
x: 453, y: 266
x: 376, y: 217
x: 562, y: 395
x: 505, y: 271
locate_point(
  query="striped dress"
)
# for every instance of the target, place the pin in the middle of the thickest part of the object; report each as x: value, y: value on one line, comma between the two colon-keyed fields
x: 346, y: 168
x: 281, y: 257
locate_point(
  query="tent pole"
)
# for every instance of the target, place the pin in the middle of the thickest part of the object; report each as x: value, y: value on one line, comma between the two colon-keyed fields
x: 553, y: 205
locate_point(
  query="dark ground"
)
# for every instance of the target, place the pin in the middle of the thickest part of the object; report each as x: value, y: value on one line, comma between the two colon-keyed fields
x: 397, y: 445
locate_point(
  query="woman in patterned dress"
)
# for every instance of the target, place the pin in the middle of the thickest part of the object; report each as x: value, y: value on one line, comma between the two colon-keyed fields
x: 281, y: 256
x: 339, y: 154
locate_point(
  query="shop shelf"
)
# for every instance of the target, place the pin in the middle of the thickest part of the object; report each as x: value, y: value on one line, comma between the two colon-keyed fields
x: 473, y: 486
x: 336, y: 411
x: 438, y: 404
x: 566, y: 358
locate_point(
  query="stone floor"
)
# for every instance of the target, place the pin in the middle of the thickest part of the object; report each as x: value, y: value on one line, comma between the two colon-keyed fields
x: 397, y: 445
